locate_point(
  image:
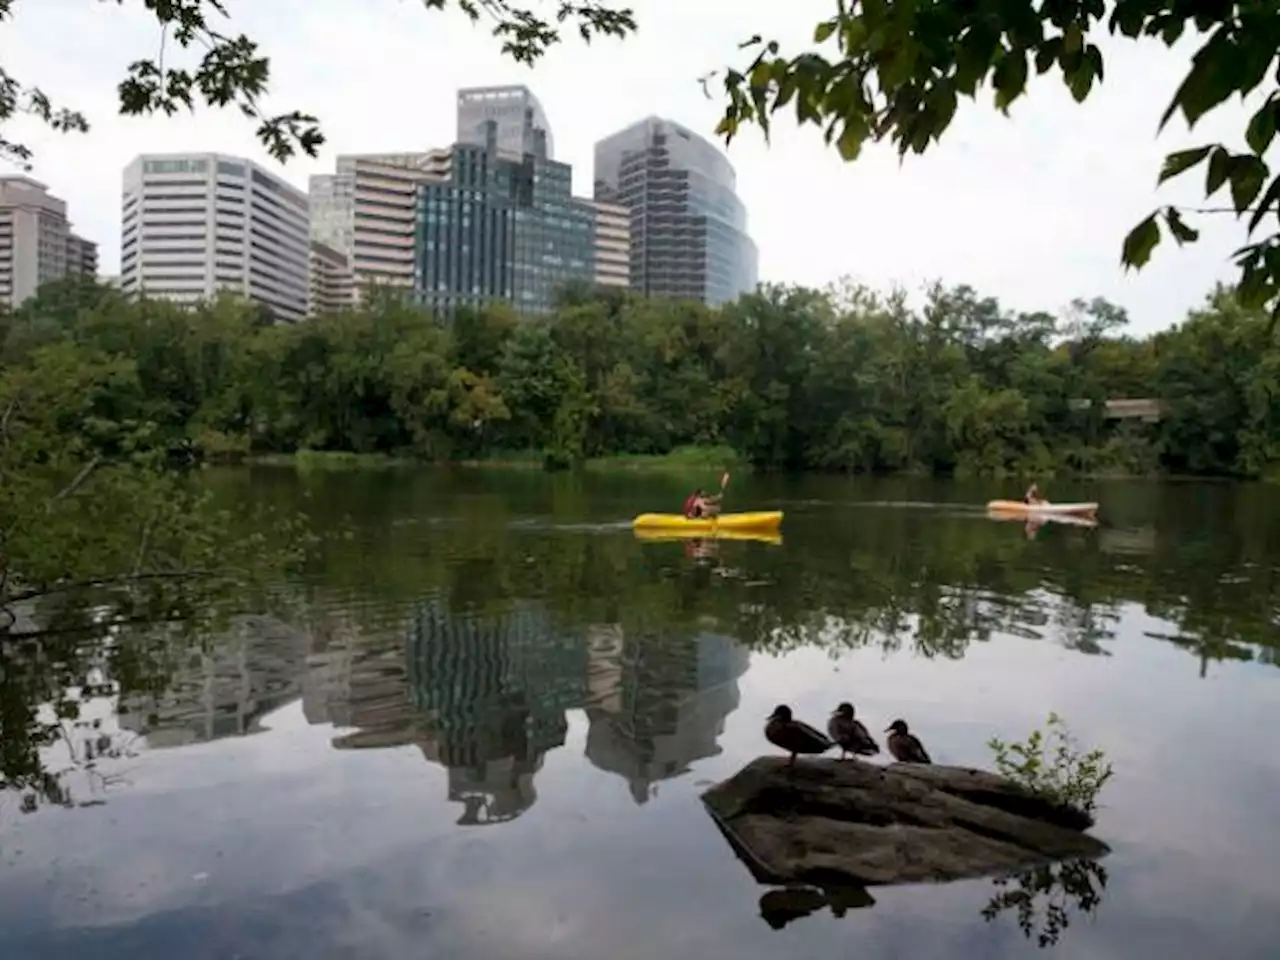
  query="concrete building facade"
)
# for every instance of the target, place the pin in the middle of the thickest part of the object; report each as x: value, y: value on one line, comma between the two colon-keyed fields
x: 688, y: 228
x: 367, y: 211
x: 612, y: 251
x: 332, y: 286
x: 194, y: 225
x: 37, y: 244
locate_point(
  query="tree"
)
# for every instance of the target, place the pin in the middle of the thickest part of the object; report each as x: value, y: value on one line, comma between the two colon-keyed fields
x: 233, y: 72
x: 897, y: 71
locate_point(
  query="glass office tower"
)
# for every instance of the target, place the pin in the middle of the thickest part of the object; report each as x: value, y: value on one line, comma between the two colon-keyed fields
x: 500, y: 226
x: 688, y: 228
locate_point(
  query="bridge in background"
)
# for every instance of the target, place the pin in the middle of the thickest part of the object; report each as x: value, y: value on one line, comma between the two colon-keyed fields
x: 1146, y: 410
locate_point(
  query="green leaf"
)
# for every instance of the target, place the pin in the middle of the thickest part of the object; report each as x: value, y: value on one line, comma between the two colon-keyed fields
x: 1219, y: 168
x: 822, y: 33
x: 1209, y: 82
x: 973, y: 58
x: 1255, y: 287
x: 1262, y: 127
x: 1048, y: 54
x: 1248, y: 174
x: 1010, y: 78
x: 1181, y: 232
x: 1080, y: 82
x: 1139, y: 244
x: 1072, y: 38
x: 786, y: 90
x: 1182, y: 161
x: 852, y: 138
x: 1269, y: 201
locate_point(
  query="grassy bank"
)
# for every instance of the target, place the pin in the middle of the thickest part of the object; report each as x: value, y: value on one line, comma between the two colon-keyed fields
x: 689, y: 459
x: 330, y: 460
x: 680, y: 460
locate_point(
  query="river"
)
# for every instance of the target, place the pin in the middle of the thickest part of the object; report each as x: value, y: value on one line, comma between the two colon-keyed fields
x: 481, y: 727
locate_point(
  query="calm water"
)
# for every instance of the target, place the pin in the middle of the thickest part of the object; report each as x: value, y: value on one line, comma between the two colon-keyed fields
x: 482, y: 727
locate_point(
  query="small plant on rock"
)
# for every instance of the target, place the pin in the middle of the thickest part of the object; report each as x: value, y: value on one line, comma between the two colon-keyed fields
x: 1053, y: 765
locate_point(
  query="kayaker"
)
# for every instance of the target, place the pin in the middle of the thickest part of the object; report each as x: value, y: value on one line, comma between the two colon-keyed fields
x: 700, y: 504
x: 691, y: 504
x: 1033, y: 496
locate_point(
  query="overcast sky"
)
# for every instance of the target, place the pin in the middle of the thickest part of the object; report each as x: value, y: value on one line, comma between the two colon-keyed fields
x: 1031, y: 209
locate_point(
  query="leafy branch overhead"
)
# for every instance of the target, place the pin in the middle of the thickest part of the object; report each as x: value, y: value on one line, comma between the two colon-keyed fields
x: 233, y: 71
x: 896, y: 71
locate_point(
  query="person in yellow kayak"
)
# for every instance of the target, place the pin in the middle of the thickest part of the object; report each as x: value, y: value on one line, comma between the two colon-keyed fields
x: 1033, y: 497
x: 702, y: 505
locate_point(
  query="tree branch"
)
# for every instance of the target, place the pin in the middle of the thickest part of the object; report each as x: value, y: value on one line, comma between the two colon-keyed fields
x: 142, y: 545
x: 79, y: 478
x: 90, y: 627
x: 45, y: 590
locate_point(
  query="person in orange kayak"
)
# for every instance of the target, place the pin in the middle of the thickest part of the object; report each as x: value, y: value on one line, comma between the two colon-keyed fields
x: 700, y: 504
x: 1033, y: 496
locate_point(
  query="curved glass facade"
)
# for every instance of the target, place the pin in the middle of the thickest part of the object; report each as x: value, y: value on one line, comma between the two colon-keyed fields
x: 688, y: 228
x: 520, y: 121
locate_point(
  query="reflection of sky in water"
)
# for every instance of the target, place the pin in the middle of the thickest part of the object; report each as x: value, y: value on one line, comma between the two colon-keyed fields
x: 276, y: 845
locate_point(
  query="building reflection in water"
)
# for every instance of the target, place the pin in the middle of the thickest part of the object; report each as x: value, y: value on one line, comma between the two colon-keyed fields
x: 493, y: 691
x: 657, y: 703
x: 224, y: 690
x: 485, y: 695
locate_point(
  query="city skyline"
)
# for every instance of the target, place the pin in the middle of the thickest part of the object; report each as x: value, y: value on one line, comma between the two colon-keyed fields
x: 490, y: 217
x: 1030, y: 208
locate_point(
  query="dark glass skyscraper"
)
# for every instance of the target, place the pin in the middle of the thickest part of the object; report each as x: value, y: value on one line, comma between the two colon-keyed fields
x: 500, y: 226
x: 688, y: 228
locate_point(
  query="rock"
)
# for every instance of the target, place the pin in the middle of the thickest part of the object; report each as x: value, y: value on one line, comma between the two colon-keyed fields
x: 836, y: 823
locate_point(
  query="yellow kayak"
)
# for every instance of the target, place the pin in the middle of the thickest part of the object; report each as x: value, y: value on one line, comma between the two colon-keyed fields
x: 1042, y: 509
x: 671, y: 522
x: 660, y: 535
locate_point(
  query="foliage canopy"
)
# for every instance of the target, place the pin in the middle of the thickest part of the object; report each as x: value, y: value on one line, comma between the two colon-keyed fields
x: 846, y: 380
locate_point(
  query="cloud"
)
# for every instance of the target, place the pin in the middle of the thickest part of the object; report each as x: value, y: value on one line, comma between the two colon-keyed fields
x: 1030, y: 208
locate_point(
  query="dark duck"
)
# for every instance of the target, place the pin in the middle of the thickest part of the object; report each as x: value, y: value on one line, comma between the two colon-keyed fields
x: 904, y: 746
x: 849, y: 734
x: 794, y: 736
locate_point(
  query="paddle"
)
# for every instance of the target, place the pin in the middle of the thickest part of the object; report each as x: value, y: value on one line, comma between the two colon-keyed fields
x: 724, y: 482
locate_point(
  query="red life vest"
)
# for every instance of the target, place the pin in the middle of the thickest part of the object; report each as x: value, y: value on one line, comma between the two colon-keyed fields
x: 689, y: 502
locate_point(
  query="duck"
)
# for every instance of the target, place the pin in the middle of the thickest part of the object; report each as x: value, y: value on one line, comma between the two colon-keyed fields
x: 849, y: 734
x: 794, y: 736
x: 905, y: 746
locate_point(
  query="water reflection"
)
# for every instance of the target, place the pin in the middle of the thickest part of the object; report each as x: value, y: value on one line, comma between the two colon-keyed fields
x: 1044, y: 898
x: 442, y: 626
x: 485, y: 695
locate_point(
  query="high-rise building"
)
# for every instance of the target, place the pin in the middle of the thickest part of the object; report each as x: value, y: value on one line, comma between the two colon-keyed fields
x: 82, y: 257
x: 522, y: 125
x: 195, y: 224
x: 688, y: 228
x: 500, y: 226
x: 36, y: 242
x: 332, y: 285
x: 367, y: 211
x: 612, y: 244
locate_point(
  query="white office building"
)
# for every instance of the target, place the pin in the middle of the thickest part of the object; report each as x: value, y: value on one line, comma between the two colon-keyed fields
x: 36, y: 242
x: 196, y: 224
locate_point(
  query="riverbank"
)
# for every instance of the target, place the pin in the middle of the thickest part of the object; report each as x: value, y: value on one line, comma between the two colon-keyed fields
x: 680, y: 460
